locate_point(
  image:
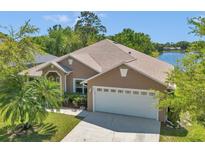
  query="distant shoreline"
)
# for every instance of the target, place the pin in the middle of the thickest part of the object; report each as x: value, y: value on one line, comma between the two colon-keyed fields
x: 178, y: 51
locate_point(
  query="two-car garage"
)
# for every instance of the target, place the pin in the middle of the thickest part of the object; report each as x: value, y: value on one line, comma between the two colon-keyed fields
x: 132, y: 95
x: 133, y: 102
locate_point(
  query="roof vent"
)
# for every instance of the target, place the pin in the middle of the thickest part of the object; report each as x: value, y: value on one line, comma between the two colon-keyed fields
x: 70, y: 61
x: 123, y: 72
x: 129, y: 52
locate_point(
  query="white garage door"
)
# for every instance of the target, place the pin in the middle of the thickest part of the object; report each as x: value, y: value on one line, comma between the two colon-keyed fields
x: 134, y: 102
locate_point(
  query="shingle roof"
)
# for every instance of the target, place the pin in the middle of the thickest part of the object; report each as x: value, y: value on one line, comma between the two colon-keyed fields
x: 64, y: 68
x: 107, y: 54
x: 36, y: 70
x: 148, y: 65
x: 42, y: 58
x: 33, y: 71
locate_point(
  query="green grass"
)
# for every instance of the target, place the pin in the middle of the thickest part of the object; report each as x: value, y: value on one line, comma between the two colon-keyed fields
x: 54, y: 128
x: 194, y: 133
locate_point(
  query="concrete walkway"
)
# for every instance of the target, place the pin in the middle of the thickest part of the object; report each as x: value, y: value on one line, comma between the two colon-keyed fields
x: 104, y: 127
x: 72, y: 111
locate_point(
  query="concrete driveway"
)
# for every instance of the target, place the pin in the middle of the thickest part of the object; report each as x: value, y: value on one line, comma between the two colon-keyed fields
x: 104, y: 127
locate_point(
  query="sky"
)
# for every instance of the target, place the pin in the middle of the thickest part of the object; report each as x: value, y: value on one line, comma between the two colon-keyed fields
x: 161, y: 26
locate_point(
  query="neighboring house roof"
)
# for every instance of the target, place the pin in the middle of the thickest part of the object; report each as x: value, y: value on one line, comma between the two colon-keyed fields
x: 42, y: 58
x: 33, y: 71
x: 39, y: 59
x: 107, y: 54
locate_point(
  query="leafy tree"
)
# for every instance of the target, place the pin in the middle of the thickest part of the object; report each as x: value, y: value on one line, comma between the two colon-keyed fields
x: 89, y: 27
x: 59, y: 41
x: 189, y: 77
x: 23, y: 103
x: 135, y: 40
x: 62, y: 40
x: 159, y: 47
x: 196, y: 46
x: 41, y: 41
x: 183, y: 45
x: 190, y: 92
x: 197, y: 26
x: 169, y: 44
x: 17, y: 48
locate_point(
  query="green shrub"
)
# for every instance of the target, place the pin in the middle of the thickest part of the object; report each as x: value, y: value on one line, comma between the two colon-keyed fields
x: 174, y: 117
x: 75, y: 99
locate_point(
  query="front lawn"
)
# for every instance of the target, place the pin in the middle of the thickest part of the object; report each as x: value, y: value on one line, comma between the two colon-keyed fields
x: 54, y: 128
x: 195, y: 133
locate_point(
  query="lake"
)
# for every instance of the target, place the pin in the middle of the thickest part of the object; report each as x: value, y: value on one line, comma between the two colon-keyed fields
x: 171, y: 57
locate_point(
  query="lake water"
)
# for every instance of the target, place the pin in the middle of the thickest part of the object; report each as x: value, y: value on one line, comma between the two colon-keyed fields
x: 171, y: 57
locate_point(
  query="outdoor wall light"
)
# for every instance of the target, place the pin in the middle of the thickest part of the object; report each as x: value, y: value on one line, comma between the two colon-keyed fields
x: 70, y: 61
x: 123, y: 72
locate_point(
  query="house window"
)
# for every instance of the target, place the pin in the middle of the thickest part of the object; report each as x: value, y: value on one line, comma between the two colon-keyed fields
x: 127, y: 92
x: 99, y: 89
x: 136, y: 92
x: 78, y: 87
x: 151, y: 94
x: 120, y: 91
x: 106, y: 90
x: 143, y: 93
x: 113, y: 90
x: 53, y: 76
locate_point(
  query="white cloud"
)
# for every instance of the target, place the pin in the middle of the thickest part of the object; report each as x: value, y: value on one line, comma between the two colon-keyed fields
x: 57, y: 18
x: 101, y: 15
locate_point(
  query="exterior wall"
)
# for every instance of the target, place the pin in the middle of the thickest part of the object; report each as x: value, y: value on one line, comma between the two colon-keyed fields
x: 133, y: 80
x: 54, y: 69
x: 112, y: 78
x: 162, y: 115
x: 79, y: 70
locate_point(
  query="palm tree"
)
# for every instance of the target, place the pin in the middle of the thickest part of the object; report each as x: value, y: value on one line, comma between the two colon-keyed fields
x: 23, y: 103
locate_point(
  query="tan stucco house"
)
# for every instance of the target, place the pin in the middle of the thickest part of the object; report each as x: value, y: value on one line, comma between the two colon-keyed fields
x: 116, y: 79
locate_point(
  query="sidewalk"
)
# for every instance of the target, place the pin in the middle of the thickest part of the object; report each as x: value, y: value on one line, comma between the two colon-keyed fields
x: 72, y: 111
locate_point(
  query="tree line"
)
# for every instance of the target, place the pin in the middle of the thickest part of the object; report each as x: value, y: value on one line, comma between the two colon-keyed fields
x: 89, y: 29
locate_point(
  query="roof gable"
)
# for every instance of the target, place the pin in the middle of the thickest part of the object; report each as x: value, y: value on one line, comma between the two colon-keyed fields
x: 61, y: 67
x: 106, y: 54
x: 161, y: 80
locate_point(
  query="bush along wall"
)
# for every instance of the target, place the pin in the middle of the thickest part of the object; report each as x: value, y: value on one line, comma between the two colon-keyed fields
x: 75, y: 100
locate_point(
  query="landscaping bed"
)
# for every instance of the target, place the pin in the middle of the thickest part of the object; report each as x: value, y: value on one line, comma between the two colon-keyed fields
x: 54, y: 128
x: 75, y: 100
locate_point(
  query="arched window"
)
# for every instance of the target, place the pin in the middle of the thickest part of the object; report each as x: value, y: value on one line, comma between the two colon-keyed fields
x: 53, y: 76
